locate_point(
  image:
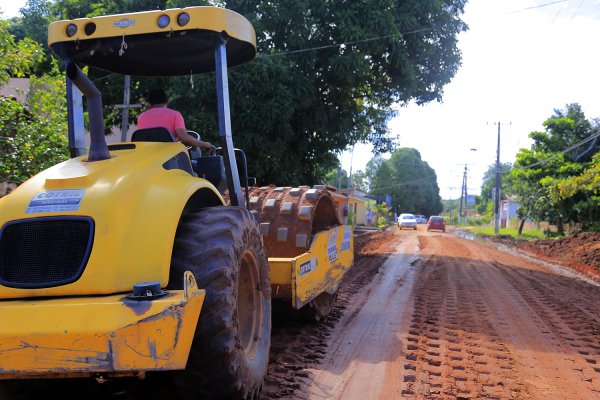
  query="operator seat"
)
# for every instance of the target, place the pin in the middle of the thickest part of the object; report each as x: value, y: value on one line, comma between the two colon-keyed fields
x: 209, y: 167
x: 156, y: 134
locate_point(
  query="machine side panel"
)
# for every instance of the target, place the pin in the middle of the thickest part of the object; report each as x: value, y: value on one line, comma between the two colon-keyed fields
x: 323, y: 266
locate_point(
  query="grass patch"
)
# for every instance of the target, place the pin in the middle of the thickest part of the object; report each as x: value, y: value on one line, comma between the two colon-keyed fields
x: 527, y: 234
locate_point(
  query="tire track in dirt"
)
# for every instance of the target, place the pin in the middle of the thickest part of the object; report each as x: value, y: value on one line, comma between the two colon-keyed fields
x: 365, y: 346
x: 297, y: 345
x: 448, y: 354
x: 488, y: 325
x: 567, y: 323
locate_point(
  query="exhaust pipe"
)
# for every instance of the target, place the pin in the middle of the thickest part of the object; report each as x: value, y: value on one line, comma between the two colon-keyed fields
x: 98, y: 148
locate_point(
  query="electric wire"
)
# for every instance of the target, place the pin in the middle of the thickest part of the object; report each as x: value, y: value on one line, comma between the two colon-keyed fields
x: 557, y: 13
x: 538, y: 6
x: 329, y: 46
x: 375, y: 38
x: 588, y: 139
x: 577, y: 10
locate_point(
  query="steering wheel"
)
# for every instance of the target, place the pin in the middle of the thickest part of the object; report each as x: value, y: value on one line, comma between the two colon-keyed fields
x: 195, y: 134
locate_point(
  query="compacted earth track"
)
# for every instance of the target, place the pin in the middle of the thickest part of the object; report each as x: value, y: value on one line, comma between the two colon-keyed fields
x: 450, y: 318
x: 422, y: 316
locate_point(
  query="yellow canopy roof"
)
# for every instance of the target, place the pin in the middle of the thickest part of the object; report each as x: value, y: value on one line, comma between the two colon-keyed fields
x: 151, y: 43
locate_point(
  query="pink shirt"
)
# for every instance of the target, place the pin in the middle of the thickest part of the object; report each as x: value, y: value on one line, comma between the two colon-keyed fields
x: 161, y: 116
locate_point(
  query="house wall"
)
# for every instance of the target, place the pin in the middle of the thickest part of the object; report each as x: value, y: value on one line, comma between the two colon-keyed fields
x: 360, y: 210
x: 340, y: 202
x: 6, y: 188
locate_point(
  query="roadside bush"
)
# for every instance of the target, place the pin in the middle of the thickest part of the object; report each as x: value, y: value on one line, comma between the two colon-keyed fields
x: 35, y: 139
x: 351, y: 219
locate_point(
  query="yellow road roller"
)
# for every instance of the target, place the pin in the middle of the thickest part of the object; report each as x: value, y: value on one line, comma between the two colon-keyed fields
x: 145, y: 255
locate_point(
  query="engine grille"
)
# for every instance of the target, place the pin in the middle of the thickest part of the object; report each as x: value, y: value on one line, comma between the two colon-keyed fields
x: 44, y: 252
x: 121, y: 146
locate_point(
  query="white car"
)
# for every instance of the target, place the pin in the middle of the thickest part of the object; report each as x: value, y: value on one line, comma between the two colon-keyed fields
x: 407, y: 221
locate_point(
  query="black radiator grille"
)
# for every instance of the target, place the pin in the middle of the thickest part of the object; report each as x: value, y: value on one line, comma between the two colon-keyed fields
x: 44, y: 252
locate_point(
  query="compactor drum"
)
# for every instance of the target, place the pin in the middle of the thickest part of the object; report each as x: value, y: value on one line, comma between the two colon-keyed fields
x: 309, y: 250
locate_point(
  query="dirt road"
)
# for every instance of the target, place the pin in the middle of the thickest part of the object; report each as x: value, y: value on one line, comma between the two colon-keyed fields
x: 420, y: 316
x: 452, y: 318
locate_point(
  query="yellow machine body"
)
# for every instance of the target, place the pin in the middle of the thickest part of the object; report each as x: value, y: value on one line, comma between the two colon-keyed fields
x: 82, y: 336
x: 89, y: 325
x: 318, y: 270
x: 135, y: 204
x: 130, y: 205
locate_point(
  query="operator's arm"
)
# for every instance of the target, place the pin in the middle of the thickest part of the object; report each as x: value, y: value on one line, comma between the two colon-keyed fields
x: 189, y: 140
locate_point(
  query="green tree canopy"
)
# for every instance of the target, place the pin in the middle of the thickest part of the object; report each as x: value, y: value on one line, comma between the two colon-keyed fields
x: 410, y: 181
x: 326, y: 77
x: 489, y: 181
x: 551, y: 179
x: 32, y: 136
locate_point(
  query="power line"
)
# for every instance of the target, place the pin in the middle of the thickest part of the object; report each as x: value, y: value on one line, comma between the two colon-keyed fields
x: 538, y: 6
x: 328, y: 46
x: 398, y: 185
x: 371, y: 39
x: 577, y: 10
x: 557, y: 13
x: 589, y: 138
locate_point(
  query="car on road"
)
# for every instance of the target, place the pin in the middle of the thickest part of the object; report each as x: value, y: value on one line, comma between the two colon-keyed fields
x: 436, y: 222
x: 407, y: 221
x: 421, y: 219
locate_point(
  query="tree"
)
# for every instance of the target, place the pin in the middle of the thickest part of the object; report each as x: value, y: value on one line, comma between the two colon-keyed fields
x: 489, y: 181
x: 410, y: 181
x: 16, y: 57
x: 327, y: 76
x: 32, y: 136
x: 484, y: 202
x: 582, y: 192
x: 544, y: 177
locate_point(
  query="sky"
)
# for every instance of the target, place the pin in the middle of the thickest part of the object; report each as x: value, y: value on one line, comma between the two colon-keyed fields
x: 521, y: 59
x: 518, y: 65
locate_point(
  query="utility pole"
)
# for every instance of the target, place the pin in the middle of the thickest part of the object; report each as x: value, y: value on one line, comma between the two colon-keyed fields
x: 498, y: 184
x: 463, y: 191
x: 466, y: 196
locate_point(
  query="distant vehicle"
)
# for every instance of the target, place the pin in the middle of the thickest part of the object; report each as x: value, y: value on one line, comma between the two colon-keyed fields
x: 407, y: 221
x: 421, y: 219
x: 437, y: 223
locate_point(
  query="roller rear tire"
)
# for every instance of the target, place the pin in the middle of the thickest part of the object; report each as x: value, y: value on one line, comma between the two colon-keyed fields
x: 222, y: 246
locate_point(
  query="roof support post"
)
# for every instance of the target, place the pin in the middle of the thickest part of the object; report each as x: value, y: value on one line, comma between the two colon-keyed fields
x: 226, y: 141
x: 75, y: 125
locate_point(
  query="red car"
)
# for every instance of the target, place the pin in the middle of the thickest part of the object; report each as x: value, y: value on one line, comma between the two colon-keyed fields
x: 438, y: 223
